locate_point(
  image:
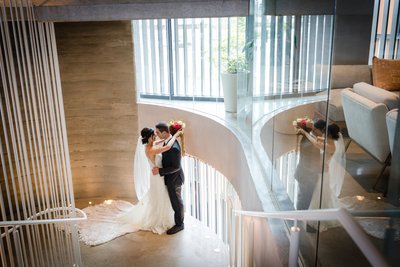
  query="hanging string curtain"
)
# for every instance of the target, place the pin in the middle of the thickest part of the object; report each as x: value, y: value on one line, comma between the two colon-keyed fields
x: 36, y: 194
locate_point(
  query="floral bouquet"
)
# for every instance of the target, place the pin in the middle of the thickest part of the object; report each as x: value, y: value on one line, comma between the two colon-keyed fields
x: 174, y: 126
x: 304, y: 123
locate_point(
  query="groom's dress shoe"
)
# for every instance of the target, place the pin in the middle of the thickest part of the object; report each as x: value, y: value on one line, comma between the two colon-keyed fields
x: 175, y: 229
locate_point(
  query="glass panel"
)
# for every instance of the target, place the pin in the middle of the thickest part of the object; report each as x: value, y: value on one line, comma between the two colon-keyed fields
x: 292, y: 57
x: 279, y: 74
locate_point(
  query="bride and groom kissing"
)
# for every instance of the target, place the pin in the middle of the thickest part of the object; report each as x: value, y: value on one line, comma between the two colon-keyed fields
x: 170, y: 167
x: 158, y: 182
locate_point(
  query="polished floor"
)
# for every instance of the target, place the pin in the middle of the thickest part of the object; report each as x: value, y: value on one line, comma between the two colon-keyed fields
x: 195, y: 246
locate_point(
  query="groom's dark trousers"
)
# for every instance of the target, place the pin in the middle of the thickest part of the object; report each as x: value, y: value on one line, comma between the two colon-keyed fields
x: 174, y: 178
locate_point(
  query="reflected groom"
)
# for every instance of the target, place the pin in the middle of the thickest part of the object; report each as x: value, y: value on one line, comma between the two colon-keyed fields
x: 173, y: 176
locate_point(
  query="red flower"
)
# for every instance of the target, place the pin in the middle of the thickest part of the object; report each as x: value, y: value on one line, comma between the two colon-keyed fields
x: 302, y: 123
x: 176, y: 126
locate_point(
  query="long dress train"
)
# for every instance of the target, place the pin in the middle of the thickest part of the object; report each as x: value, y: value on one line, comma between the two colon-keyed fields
x: 111, y: 219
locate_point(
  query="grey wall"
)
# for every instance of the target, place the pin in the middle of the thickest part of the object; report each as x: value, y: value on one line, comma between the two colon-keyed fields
x: 97, y: 76
x: 352, y: 37
x: 298, y: 7
x: 353, y: 21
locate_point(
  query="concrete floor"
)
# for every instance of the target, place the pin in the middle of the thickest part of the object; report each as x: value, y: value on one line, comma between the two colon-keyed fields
x: 195, y: 246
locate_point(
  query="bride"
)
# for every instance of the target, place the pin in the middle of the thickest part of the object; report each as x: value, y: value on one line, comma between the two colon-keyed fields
x: 153, y: 212
x: 334, y: 171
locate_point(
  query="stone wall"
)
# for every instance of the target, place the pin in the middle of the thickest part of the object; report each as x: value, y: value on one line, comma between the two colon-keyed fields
x: 97, y: 77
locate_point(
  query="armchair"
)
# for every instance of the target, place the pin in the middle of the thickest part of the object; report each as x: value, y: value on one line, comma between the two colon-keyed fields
x: 391, y: 119
x: 365, y: 108
x: 342, y: 77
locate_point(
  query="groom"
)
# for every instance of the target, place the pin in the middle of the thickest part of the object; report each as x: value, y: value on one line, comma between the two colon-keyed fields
x: 173, y: 176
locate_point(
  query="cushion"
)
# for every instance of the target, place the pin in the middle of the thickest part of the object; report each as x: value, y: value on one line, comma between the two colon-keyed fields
x: 386, y: 73
x: 377, y: 95
x: 344, y: 76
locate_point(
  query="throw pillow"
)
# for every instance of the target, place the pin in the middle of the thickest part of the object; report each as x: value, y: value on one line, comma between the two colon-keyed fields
x: 386, y: 73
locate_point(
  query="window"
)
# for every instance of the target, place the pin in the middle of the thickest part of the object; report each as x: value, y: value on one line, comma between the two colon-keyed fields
x: 183, y: 58
x: 385, y: 36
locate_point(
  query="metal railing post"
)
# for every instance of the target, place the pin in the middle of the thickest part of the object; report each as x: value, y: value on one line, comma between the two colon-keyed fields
x: 239, y: 242
x: 294, y: 245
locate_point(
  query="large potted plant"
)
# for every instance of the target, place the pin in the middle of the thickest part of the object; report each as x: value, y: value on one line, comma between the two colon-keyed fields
x: 234, y: 66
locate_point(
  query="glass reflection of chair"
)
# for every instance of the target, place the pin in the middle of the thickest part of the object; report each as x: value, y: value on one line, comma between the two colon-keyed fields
x: 365, y: 108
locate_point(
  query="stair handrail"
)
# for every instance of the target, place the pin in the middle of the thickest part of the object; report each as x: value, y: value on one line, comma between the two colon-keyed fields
x: 31, y: 221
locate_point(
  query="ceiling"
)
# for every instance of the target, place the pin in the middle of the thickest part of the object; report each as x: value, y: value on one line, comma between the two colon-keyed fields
x: 104, y: 10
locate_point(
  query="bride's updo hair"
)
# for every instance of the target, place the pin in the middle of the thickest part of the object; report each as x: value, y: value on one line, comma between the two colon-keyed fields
x: 320, y: 125
x: 146, y: 133
x: 333, y: 131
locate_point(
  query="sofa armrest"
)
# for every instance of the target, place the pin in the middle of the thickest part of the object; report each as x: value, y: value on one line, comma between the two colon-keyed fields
x: 377, y: 95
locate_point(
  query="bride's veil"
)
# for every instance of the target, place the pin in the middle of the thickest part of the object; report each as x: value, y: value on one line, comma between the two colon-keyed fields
x: 141, y: 170
x: 337, y: 167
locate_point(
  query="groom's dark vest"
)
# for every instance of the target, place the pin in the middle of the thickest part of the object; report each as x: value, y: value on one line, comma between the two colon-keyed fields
x: 171, y: 162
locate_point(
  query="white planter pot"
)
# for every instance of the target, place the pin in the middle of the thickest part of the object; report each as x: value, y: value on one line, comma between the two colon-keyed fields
x: 229, y: 86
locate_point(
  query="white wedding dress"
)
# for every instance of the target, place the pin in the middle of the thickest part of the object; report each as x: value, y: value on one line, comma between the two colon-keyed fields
x: 111, y: 219
x: 332, y: 184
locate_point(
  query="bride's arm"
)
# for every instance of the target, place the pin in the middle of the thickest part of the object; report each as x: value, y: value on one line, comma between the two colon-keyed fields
x: 315, y: 141
x: 319, y: 142
x: 158, y: 142
x: 158, y: 150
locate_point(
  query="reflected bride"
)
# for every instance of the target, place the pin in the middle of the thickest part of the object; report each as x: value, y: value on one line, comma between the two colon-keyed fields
x: 334, y: 172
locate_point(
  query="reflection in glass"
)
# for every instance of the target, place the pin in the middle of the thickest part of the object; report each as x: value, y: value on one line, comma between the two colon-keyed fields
x: 285, y: 76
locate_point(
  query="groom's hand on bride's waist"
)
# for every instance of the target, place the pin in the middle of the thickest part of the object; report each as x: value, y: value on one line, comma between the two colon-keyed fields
x: 155, y: 170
